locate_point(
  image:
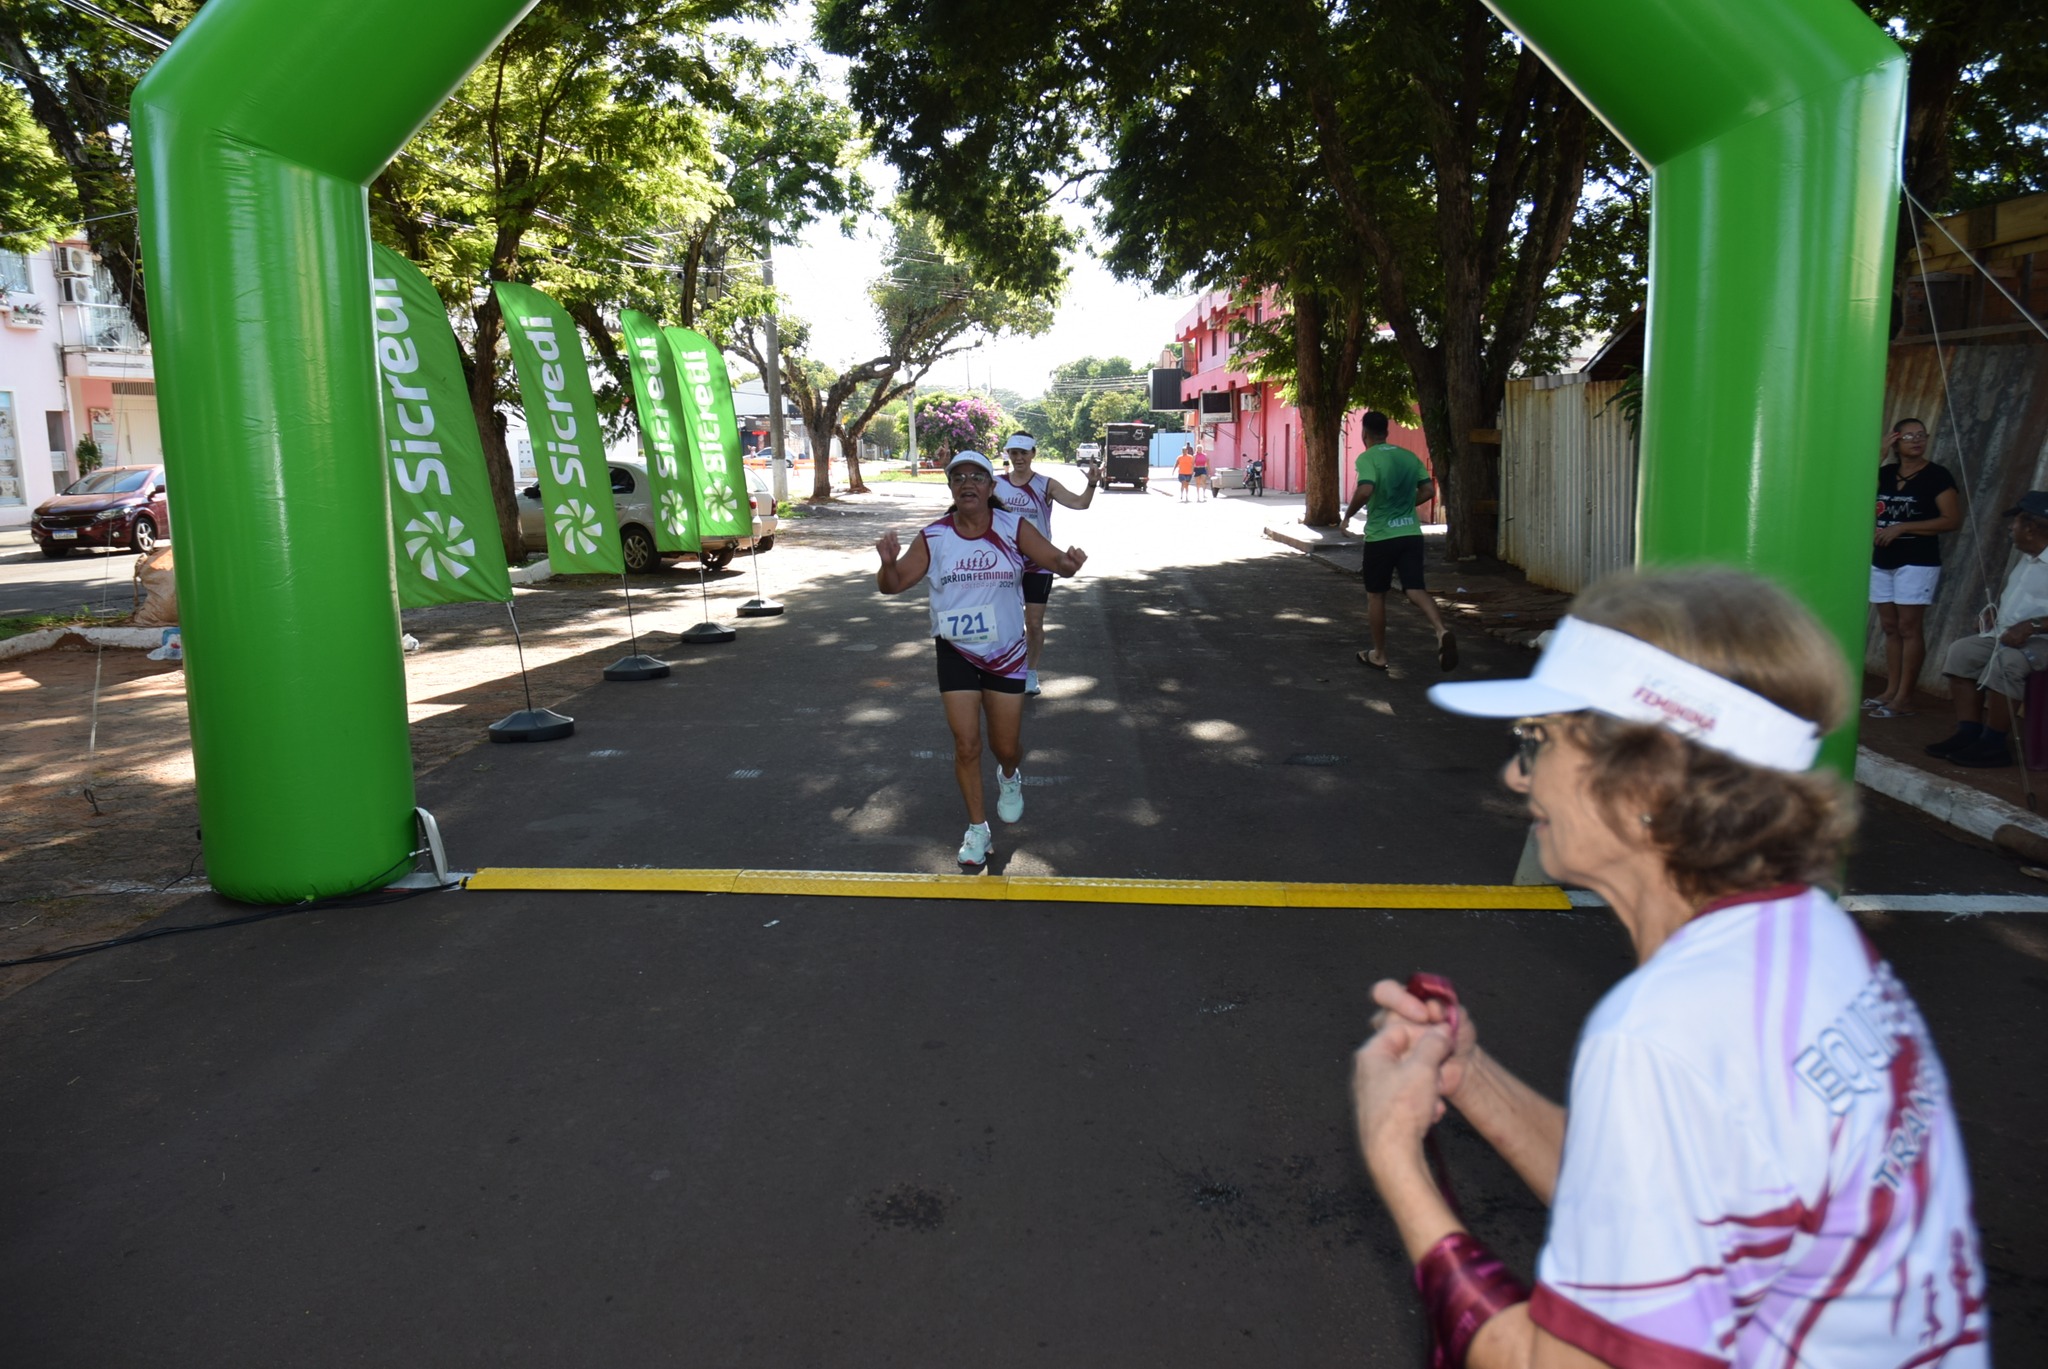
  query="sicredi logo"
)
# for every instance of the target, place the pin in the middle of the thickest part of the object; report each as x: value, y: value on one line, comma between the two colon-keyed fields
x: 704, y: 413
x: 660, y: 435
x: 564, y: 461
x: 432, y: 539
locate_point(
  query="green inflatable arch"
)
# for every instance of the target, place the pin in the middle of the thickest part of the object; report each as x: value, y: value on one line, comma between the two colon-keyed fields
x: 1772, y: 128
x: 256, y: 136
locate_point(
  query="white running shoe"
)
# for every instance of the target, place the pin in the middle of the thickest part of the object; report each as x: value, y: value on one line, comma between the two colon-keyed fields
x: 974, y: 849
x: 1009, y: 795
x: 1030, y: 682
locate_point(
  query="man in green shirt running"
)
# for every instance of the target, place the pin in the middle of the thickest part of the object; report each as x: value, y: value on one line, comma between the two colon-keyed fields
x: 1392, y: 481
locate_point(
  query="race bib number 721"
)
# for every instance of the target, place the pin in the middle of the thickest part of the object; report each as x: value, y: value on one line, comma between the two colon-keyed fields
x: 971, y: 625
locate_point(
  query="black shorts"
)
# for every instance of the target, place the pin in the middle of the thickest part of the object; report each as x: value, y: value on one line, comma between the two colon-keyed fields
x: 1384, y: 557
x: 1037, y: 586
x: 957, y: 673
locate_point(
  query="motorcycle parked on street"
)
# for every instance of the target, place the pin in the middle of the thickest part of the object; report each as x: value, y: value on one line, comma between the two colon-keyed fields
x: 1255, y: 477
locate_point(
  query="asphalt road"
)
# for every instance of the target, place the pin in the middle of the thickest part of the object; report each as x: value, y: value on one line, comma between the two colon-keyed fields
x: 583, y: 1129
x: 32, y: 583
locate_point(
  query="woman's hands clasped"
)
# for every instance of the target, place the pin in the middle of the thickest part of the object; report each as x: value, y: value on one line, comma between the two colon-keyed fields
x: 1420, y: 1055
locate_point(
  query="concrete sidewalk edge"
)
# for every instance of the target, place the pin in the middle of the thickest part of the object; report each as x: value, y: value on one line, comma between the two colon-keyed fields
x: 140, y: 638
x: 1956, y: 804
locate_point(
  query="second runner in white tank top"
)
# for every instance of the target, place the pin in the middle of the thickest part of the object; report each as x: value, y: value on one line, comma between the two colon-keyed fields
x: 977, y: 592
x: 1032, y: 500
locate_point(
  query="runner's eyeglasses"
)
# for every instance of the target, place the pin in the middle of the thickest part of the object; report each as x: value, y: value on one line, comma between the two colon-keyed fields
x: 1531, y: 737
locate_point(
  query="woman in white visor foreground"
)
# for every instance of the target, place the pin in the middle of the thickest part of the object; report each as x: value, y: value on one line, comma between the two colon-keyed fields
x: 1758, y: 1163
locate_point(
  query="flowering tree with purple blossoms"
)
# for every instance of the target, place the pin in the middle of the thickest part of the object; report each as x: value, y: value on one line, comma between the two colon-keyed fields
x: 961, y: 423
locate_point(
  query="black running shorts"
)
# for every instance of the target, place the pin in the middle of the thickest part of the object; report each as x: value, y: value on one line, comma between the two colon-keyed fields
x: 1384, y: 557
x: 957, y: 673
x: 1037, y: 586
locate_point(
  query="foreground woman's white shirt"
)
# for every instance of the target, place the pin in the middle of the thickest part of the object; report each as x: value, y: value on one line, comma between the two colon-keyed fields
x: 1761, y: 1163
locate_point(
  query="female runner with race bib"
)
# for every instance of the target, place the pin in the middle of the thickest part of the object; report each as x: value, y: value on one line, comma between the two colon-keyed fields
x: 976, y: 557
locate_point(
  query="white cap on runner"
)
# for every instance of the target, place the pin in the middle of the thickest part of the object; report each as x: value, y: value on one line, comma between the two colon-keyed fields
x: 971, y: 459
x: 1591, y: 667
x: 1021, y: 442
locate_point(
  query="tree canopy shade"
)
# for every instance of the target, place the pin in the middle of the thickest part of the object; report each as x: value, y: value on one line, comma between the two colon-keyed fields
x: 1405, y: 162
x: 612, y: 155
x: 1085, y: 394
x: 76, y: 74
x: 930, y: 303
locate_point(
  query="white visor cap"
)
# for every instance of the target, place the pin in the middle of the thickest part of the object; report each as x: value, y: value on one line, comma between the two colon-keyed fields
x: 1022, y: 442
x: 975, y: 459
x: 1591, y: 667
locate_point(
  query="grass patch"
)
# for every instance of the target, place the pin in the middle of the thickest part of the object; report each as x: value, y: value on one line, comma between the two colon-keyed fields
x: 912, y: 477
x: 15, y: 627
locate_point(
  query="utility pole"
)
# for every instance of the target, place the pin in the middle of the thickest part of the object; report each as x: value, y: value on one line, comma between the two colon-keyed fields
x: 910, y: 425
x: 778, y: 461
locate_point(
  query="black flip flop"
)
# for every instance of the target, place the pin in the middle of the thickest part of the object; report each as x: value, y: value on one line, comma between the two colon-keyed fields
x: 1365, y: 657
x: 1447, y: 651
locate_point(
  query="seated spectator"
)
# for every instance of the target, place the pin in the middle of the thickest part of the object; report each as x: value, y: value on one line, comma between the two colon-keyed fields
x: 1999, y: 661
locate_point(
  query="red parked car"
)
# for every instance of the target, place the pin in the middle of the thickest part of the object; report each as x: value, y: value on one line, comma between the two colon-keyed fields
x: 115, y: 506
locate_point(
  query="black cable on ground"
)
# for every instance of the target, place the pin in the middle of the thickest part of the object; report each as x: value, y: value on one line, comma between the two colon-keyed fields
x: 317, y: 905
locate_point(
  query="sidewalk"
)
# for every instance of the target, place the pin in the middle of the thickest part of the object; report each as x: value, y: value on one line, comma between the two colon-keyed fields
x: 1497, y: 599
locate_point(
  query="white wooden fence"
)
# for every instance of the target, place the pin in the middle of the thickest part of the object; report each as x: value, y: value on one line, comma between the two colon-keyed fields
x: 1567, y: 481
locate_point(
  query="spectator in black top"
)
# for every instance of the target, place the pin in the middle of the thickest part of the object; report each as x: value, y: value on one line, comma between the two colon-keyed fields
x: 1916, y: 500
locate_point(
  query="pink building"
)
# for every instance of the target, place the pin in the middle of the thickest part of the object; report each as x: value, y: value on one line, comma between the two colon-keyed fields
x: 1242, y: 418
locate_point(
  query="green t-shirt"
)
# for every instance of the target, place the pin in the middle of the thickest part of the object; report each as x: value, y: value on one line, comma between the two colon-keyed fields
x: 1394, y: 473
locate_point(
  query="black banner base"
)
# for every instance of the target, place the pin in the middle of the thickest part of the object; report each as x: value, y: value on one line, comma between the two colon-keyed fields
x: 760, y: 608
x: 532, y: 725
x: 706, y: 634
x: 636, y: 668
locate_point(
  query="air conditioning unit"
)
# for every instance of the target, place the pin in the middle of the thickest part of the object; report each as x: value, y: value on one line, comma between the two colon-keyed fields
x: 74, y: 261
x: 1247, y: 401
x: 76, y: 289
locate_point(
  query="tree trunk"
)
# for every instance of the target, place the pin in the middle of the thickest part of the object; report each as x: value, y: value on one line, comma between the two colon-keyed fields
x: 1314, y: 402
x: 481, y: 369
x: 850, y: 440
x: 819, y: 429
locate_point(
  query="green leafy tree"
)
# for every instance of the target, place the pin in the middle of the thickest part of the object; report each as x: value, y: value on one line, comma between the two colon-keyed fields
x: 1083, y: 395
x: 791, y: 154
x: 930, y: 301
x: 76, y: 73
x: 1405, y: 164
x: 561, y: 162
x: 37, y: 198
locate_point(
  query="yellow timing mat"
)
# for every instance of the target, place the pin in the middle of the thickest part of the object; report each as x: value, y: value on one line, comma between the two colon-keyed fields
x: 1224, y: 893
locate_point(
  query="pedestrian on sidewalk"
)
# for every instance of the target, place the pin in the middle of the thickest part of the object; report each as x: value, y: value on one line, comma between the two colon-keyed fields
x: 1760, y: 1164
x: 976, y: 555
x: 1033, y: 496
x: 1916, y: 501
x: 1392, y: 484
x: 1184, y: 467
x: 1201, y: 474
x: 1996, y: 664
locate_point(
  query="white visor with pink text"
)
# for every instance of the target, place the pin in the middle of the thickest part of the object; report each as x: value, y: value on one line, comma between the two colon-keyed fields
x: 1588, y: 666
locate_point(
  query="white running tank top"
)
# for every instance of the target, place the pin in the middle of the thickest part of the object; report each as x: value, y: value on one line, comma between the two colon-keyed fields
x: 1033, y: 501
x: 977, y: 592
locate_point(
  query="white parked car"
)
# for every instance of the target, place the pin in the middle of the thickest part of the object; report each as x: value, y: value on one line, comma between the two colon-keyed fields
x: 634, y: 499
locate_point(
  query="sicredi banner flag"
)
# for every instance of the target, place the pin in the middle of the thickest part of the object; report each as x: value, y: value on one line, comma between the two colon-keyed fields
x: 443, y: 520
x: 714, y: 433
x: 655, y: 390
x: 568, y: 445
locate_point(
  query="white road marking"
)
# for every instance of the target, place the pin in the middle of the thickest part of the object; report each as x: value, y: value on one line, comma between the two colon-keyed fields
x: 1948, y: 905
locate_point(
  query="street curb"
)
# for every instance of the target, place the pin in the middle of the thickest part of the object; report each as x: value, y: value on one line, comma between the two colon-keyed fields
x: 1311, y: 540
x: 139, y: 638
x: 533, y: 574
x: 1958, y: 805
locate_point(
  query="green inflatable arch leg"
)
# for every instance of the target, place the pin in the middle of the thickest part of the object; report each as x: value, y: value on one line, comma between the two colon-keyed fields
x: 255, y: 137
x: 1772, y: 129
